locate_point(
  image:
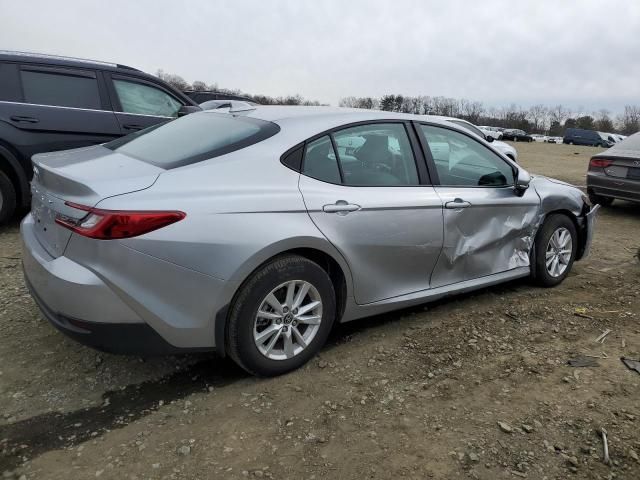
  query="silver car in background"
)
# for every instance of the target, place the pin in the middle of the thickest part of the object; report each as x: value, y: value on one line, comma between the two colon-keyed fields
x: 252, y: 233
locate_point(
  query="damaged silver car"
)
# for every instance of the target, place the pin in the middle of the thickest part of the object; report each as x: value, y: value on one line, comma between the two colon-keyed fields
x: 253, y: 232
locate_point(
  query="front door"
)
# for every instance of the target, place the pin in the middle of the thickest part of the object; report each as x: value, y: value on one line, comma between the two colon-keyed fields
x: 488, y: 228
x: 363, y: 191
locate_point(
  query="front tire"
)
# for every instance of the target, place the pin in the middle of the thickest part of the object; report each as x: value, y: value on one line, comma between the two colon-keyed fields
x: 555, y: 250
x: 281, y: 317
x: 7, y: 198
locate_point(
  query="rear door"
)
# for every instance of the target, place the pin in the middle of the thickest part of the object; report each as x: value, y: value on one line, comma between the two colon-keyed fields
x: 58, y: 108
x: 139, y: 103
x: 364, y: 190
x: 488, y: 229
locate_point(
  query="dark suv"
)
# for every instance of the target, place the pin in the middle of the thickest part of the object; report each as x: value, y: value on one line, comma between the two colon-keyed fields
x: 579, y: 136
x: 52, y: 103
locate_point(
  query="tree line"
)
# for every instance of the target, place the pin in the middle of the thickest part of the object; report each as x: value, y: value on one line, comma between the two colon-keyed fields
x: 550, y: 120
x: 199, y: 86
x: 535, y: 119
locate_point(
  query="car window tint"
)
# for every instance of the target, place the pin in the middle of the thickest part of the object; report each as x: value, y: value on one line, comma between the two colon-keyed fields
x: 146, y: 100
x: 193, y: 138
x: 378, y: 154
x: 46, y: 88
x: 320, y: 161
x: 462, y: 161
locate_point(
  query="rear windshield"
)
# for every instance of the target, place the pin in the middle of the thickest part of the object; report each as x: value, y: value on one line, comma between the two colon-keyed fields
x: 193, y: 138
x: 629, y: 143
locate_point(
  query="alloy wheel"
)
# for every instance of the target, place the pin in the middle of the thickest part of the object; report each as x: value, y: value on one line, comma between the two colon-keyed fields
x: 558, y: 253
x: 287, y: 320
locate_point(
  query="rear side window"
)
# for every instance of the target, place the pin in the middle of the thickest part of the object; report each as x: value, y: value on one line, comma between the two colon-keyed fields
x: 193, y: 138
x: 320, y: 161
x: 144, y: 99
x: 62, y: 90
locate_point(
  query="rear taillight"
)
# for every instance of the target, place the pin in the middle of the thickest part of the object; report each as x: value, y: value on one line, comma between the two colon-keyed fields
x: 600, y: 162
x: 114, y: 224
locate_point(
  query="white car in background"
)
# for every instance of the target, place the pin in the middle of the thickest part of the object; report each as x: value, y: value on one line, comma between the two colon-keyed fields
x: 539, y: 138
x: 493, y: 132
x: 502, y: 147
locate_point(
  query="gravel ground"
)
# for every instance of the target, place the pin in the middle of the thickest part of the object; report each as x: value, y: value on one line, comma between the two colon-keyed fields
x: 476, y: 386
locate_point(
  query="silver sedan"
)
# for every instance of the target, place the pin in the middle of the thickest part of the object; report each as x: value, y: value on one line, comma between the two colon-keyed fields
x: 253, y: 232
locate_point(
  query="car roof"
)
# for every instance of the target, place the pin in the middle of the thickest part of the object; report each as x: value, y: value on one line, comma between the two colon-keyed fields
x: 58, y: 60
x: 299, y: 123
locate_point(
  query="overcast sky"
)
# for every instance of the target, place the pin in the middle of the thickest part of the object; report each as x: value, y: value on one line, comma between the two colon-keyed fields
x: 579, y: 53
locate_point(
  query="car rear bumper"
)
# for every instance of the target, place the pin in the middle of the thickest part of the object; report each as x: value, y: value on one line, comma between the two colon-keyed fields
x: 615, y: 187
x: 80, y: 304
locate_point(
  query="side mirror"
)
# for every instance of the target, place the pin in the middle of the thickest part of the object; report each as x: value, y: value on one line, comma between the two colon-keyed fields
x: 522, y: 181
x: 488, y: 138
x: 187, y: 109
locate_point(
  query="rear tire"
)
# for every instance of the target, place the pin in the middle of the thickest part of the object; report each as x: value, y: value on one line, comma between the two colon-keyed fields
x: 295, y: 339
x: 7, y: 198
x: 555, y: 250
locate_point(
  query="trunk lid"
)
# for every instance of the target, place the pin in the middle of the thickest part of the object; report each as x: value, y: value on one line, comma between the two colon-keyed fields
x: 84, y: 176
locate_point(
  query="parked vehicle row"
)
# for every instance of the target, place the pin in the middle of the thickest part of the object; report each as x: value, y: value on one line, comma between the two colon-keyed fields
x: 50, y: 103
x: 253, y: 233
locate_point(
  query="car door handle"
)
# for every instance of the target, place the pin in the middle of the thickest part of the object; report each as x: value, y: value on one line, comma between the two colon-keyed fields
x: 457, y: 203
x: 20, y: 119
x: 131, y: 126
x: 341, y: 207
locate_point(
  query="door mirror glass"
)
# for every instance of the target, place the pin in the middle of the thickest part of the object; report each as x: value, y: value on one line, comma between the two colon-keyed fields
x: 523, y: 180
x: 187, y: 109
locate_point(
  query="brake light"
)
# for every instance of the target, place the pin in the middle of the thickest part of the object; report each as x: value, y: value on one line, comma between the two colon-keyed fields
x: 600, y: 162
x: 115, y: 224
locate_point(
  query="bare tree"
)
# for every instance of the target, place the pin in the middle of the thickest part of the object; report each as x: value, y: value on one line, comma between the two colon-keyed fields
x: 629, y: 121
x: 174, y: 80
x: 559, y: 114
x: 199, y: 86
x: 537, y: 115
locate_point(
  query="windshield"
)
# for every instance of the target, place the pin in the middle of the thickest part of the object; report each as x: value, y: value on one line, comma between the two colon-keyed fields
x: 193, y: 138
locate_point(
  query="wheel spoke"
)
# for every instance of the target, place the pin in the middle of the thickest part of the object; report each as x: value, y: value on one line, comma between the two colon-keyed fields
x: 549, y: 254
x: 274, y: 303
x: 266, y: 334
x: 268, y: 315
x: 304, y: 289
x: 272, y: 342
x: 299, y: 337
x: 309, y: 319
x: 288, y: 344
x: 291, y: 288
x: 550, y: 262
x: 308, y: 307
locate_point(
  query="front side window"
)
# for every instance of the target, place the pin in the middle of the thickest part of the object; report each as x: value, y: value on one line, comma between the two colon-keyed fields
x: 377, y: 154
x: 62, y: 90
x: 193, y: 138
x: 142, y: 99
x: 462, y: 161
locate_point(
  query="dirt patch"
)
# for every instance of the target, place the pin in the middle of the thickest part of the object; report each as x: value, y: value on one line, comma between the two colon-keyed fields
x: 476, y: 386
